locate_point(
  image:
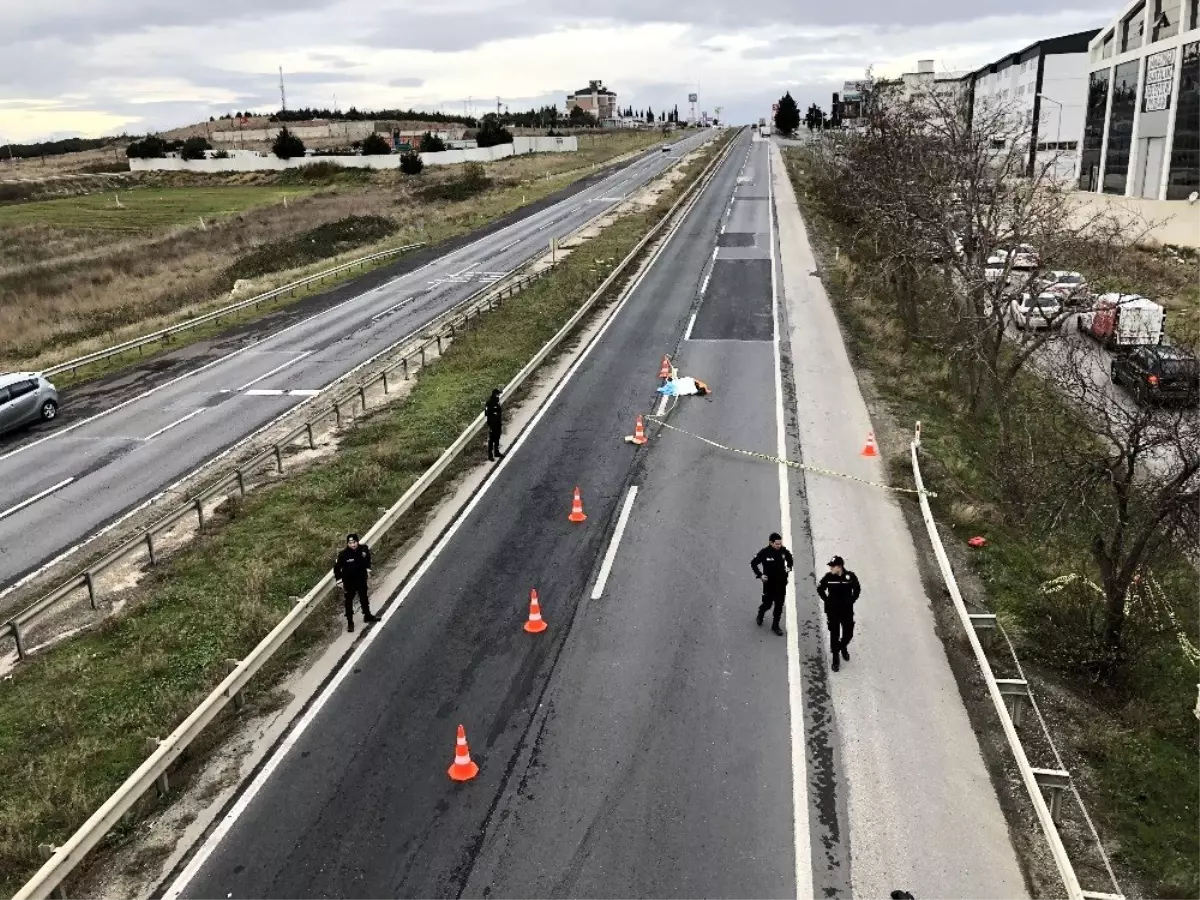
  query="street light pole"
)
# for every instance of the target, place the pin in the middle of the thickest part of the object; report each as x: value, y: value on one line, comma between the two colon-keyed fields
x: 1057, y: 123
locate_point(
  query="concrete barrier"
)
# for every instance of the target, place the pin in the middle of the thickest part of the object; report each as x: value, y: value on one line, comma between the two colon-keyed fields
x: 1165, y: 221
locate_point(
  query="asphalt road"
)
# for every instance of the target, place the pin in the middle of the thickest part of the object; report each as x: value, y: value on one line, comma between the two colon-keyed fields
x: 91, y: 471
x: 644, y: 745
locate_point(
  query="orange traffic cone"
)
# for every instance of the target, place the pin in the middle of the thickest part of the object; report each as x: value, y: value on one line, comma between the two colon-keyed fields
x: 535, y: 622
x: 464, y: 768
x: 664, y: 371
x: 639, y: 431
x: 577, y: 508
x: 869, y: 449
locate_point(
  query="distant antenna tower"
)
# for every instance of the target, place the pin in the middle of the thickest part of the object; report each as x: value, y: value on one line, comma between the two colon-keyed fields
x: 282, y: 95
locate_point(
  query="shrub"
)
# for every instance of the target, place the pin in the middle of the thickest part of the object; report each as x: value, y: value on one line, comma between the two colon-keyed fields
x: 287, y: 145
x: 149, y: 147
x: 472, y: 181
x: 195, y: 148
x: 310, y: 246
x: 431, y: 143
x: 411, y: 163
x: 376, y: 144
x: 491, y: 132
x: 221, y: 154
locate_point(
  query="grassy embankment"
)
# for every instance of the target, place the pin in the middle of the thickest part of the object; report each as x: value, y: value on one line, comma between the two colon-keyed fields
x: 73, y: 720
x: 1133, y: 749
x: 97, y: 274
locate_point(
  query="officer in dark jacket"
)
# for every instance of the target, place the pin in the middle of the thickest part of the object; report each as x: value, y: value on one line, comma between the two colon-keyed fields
x: 839, y: 588
x: 494, y: 412
x: 771, y: 566
x: 351, y: 570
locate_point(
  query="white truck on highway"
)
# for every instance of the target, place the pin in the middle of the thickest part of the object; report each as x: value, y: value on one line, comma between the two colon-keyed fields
x: 1124, y: 320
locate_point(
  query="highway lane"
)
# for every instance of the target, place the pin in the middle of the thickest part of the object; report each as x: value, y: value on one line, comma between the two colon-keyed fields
x: 130, y: 453
x: 644, y: 744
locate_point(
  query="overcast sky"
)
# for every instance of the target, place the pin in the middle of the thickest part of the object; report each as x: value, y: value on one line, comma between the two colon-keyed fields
x: 95, y: 67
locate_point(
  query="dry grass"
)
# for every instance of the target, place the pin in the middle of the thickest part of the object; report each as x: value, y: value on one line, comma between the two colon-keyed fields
x: 67, y: 290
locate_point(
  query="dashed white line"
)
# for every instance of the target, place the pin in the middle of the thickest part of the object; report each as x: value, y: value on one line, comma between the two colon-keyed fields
x: 611, y: 555
x: 264, y: 392
x: 194, y: 412
x: 36, y: 497
x: 290, y: 362
x: 662, y: 406
x: 512, y: 244
x: 392, y: 309
x: 687, y: 335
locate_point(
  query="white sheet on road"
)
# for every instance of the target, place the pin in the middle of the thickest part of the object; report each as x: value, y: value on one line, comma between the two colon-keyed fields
x: 923, y: 815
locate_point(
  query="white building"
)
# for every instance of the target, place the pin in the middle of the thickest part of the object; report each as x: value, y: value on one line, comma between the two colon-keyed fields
x: 947, y: 87
x: 1141, y: 133
x: 1043, y: 87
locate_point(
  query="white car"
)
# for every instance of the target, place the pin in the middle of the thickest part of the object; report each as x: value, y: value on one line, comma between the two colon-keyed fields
x: 1024, y: 257
x: 1045, y: 310
x: 1071, y: 286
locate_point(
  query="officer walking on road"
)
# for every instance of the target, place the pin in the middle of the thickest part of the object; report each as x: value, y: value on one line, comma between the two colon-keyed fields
x: 771, y: 566
x: 494, y: 413
x: 351, y: 570
x: 839, y: 588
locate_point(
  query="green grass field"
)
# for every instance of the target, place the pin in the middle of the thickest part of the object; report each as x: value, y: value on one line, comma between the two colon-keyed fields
x: 143, y: 209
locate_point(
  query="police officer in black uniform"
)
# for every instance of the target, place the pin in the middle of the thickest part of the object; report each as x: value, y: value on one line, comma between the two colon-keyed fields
x: 351, y: 570
x: 839, y: 588
x: 494, y: 412
x: 771, y: 566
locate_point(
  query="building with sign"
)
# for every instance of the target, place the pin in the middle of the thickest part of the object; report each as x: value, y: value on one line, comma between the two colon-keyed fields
x: 1141, y: 131
x: 850, y: 105
x: 595, y: 99
x: 1036, y: 98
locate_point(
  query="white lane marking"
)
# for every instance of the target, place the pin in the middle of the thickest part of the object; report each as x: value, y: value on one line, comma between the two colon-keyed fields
x: 662, y: 406
x: 392, y: 309
x: 506, y: 246
x: 272, y: 763
x: 687, y: 335
x: 36, y: 497
x: 290, y: 362
x: 304, y: 392
x: 264, y: 392
x: 194, y: 412
x: 704, y: 283
x: 803, y: 848
x: 611, y: 555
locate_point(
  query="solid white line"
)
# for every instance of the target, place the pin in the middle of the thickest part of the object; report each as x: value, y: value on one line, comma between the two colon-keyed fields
x: 687, y: 335
x: 272, y: 763
x: 611, y: 555
x: 265, y: 392
x: 36, y: 497
x: 513, y: 244
x: 194, y: 412
x: 803, y: 847
x: 662, y: 406
x: 290, y: 362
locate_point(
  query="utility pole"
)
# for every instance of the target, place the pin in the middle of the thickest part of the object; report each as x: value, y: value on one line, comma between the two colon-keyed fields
x: 282, y: 95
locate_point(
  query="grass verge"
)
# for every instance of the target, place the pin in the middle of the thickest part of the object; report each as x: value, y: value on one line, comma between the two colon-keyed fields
x: 73, y: 721
x: 1133, y: 750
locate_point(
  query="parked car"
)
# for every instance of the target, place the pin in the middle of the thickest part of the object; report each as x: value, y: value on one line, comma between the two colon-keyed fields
x: 1024, y: 258
x: 1162, y: 374
x: 1072, y: 287
x: 1123, y: 321
x: 25, y: 398
x: 1043, y: 310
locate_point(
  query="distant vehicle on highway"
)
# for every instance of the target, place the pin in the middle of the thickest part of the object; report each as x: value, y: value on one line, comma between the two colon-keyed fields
x: 25, y: 398
x: 1043, y: 310
x: 1024, y: 259
x: 666, y: 148
x: 1072, y: 287
x: 1123, y: 321
x: 1159, y: 375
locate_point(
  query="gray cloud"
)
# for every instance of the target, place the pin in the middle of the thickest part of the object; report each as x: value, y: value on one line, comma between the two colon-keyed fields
x: 455, y: 32
x: 406, y: 82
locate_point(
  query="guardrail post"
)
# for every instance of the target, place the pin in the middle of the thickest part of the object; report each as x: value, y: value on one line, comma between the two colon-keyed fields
x: 18, y: 639
x: 985, y: 626
x: 199, y: 504
x: 1015, y: 692
x: 362, y: 395
x: 238, y: 699
x: 404, y: 366
x: 163, y: 783
x: 241, y: 480
x: 1055, y: 781
x: 439, y: 344
x: 46, y: 851
x: 278, y: 459
x: 150, y: 548
x: 423, y: 346
x: 337, y: 414
x: 312, y: 444
x: 385, y: 381
x: 90, y: 584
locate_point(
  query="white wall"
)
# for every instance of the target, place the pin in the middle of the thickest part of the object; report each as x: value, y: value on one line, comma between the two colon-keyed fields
x: 1064, y: 79
x: 249, y: 161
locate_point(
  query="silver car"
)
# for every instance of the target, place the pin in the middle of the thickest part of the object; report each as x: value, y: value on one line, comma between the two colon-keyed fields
x: 25, y: 398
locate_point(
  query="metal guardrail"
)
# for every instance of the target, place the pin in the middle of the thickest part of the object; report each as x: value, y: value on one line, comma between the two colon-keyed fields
x: 1008, y: 696
x: 16, y: 626
x: 153, y: 771
x: 164, y: 335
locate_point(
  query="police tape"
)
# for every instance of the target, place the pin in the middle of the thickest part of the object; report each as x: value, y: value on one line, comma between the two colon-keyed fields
x: 788, y: 462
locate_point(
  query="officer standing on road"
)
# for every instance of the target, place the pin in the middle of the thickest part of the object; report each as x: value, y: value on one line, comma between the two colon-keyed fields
x: 839, y: 588
x: 351, y: 570
x: 494, y: 413
x: 771, y: 566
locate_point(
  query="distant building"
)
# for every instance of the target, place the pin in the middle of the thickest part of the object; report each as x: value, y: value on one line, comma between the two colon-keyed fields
x: 850, y: 106
x: 1044, y: 88
x: 1141, y: 131
x: 595, y: 99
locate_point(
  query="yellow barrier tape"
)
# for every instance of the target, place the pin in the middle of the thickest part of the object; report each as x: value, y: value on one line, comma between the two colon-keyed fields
x: 789, y: 462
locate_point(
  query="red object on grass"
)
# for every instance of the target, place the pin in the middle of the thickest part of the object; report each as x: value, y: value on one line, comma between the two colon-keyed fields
x: 977, y: 541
